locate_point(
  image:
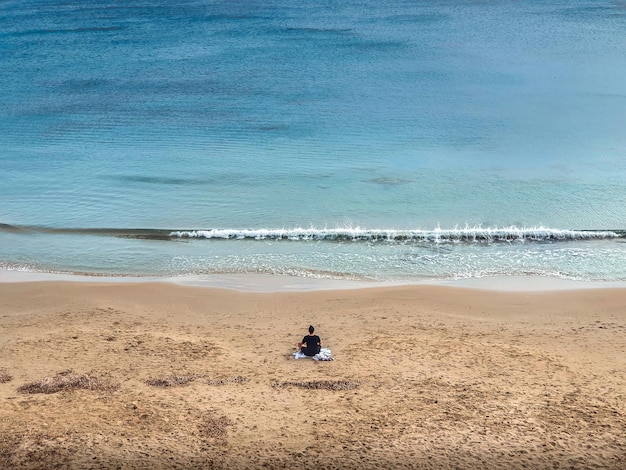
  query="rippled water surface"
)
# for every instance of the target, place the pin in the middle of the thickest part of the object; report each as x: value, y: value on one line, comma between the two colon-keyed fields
x: 314, y: 117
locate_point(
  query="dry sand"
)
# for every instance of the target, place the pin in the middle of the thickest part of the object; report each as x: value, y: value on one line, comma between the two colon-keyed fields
x: 155, y: 375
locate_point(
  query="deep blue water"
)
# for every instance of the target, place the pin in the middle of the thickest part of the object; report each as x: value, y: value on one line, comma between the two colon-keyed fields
x: 343, y: 119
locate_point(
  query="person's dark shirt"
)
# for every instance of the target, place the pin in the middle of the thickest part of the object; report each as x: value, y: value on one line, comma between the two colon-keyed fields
x: 312, y: 345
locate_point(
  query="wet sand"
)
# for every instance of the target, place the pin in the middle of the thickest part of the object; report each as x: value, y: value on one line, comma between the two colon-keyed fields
x: 158, y: 375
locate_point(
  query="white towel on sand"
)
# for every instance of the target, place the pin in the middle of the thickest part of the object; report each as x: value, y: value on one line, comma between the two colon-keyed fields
x: 323, y: 355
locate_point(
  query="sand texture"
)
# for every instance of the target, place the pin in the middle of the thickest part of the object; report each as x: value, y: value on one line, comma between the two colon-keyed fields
x: 124, y: 375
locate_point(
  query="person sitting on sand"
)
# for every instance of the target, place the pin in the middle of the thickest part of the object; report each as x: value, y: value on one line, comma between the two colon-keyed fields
x: 310, y: 344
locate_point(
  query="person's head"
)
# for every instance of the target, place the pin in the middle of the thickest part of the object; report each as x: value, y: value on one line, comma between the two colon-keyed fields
x: 311, y: 329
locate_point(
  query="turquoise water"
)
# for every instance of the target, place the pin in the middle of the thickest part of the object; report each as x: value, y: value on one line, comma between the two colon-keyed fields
x: 410, y: 140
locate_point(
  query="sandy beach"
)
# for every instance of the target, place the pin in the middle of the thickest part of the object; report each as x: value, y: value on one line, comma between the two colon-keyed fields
x: 157, y: 375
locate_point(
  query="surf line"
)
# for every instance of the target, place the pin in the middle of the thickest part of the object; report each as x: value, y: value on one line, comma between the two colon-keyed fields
x: 437, y: 235
x: 468, y: 234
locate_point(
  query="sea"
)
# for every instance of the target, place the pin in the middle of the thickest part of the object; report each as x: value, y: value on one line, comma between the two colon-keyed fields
x: 406, y: 140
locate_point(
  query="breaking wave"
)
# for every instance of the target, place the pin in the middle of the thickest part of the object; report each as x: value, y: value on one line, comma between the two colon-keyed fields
x: 437, y: 235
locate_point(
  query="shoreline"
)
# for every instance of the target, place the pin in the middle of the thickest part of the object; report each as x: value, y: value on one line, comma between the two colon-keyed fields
x: 267, y: 283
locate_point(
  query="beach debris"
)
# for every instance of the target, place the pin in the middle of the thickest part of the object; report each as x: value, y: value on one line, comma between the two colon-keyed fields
x: 66, y: 380
x: 33, y: 448
x: 320, y: 385
x: 238, y: 379
x: 172, y: 380
x: 5, y: 376
x: 214, y: 426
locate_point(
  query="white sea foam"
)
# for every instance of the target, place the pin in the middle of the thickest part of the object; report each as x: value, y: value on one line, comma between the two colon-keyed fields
x: 437, y: 235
